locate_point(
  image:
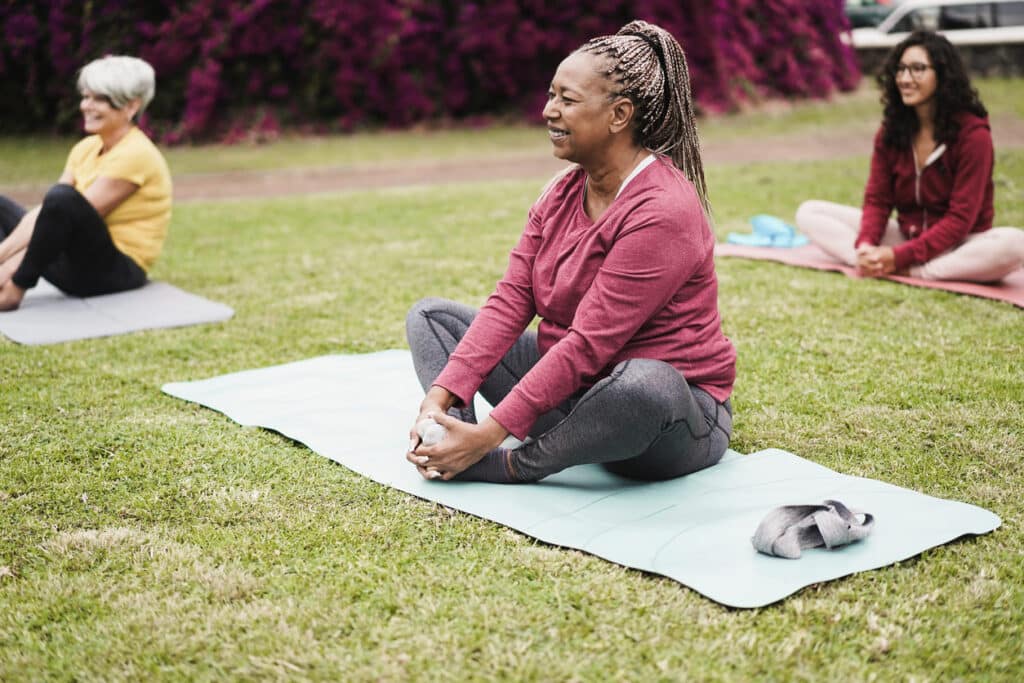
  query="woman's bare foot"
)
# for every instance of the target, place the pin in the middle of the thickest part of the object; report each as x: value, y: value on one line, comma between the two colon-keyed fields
x: 10, y: 296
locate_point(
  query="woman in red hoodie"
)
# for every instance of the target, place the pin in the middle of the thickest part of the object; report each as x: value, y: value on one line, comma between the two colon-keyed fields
x: 932, y: 163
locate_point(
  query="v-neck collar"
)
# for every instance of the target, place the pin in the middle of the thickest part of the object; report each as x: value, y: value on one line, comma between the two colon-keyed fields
x: 644, y: 163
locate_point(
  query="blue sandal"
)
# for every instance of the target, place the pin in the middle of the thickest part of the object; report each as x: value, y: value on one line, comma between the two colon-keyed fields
x: 769, y: 231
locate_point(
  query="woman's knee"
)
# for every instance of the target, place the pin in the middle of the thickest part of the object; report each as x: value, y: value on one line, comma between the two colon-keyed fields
x: 810, y: 213
x: 62, y: 195
x: 1008, y: 240
x: 437, y: 309
x: 68, y: 205
x: 808, y: 210
x: 8, y: 205
x: 424, y: 306
x: 416, y: 318
x: 11, y: 214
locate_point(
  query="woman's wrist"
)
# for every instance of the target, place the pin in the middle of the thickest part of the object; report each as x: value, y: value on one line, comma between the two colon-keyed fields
x: 493, y: 432
x: 440, y: 396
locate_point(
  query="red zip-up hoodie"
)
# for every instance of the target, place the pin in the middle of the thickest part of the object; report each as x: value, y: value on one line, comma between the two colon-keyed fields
x: 936, y: 206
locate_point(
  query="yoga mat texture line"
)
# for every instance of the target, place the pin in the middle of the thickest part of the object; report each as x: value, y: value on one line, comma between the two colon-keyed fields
x: 695, y: 530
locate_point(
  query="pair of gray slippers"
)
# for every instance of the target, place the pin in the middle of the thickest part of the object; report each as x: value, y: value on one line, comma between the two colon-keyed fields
x: 787, y: 530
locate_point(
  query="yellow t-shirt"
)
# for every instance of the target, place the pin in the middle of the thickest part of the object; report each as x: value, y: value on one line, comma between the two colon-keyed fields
x: 138, y: 225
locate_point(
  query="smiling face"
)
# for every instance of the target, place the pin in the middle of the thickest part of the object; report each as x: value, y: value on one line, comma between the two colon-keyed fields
x: 915, y: 77
x: 99, y: 117
x: 579, y: 112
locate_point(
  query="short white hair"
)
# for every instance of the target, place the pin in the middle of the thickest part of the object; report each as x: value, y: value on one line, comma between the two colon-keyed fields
x: 120, y: 79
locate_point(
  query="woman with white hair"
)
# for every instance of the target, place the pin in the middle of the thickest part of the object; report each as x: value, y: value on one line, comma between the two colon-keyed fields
x: 102, y: 226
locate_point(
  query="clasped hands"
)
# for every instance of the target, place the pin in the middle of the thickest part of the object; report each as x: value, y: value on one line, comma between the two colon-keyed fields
x: 875, y: 261
x: 463, y: 446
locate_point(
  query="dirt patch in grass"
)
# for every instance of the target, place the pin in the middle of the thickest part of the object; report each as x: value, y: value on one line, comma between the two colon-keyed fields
x: 823, y: 144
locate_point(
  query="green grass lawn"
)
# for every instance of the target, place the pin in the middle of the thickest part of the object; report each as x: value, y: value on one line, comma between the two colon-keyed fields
x: 40, y: 159
x: 142, y: 537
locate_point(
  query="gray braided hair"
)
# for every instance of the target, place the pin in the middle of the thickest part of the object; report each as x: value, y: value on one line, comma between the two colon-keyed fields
x: 648, y: 66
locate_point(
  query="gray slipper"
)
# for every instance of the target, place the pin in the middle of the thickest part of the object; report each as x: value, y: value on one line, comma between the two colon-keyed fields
x: 786, y: 530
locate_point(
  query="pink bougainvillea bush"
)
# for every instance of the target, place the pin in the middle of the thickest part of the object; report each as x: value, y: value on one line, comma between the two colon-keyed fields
x: 227, y: 68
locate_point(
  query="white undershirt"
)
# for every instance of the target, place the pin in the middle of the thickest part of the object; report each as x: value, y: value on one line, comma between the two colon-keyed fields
x: 647, y: 161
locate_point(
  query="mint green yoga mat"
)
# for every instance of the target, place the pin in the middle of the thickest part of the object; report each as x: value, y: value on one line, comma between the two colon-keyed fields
x: 357, y: 409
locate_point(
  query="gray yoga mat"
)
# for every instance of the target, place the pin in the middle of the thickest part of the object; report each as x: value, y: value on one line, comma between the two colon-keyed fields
x: 357, y: 409
x: 48, y: 316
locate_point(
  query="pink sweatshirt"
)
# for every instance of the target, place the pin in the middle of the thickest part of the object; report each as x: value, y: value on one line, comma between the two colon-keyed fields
x: 638, y: 283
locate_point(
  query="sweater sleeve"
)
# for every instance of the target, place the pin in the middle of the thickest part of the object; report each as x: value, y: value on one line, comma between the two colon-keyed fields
x: 505, y: 315
x: 130, y: 160
x: 643, y: 269
x: 974, y: 168
x: 879, y: 198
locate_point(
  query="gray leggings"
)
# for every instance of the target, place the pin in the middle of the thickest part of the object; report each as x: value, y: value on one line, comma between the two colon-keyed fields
x: 643, y: 421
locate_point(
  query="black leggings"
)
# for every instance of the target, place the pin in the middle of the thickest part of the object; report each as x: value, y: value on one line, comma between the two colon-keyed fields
x: 643, y: 421
x: 71, y: 247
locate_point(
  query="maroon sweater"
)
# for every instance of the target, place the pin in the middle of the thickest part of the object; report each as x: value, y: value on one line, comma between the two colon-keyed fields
x: 936, y: 211
x: 638, y: 283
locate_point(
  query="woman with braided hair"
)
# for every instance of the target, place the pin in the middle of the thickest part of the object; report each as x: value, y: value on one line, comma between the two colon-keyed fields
x: 629, y: 367
x: 932, y: 163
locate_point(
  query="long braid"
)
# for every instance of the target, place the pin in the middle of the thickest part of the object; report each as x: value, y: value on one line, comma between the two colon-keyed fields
x: 649, y: 67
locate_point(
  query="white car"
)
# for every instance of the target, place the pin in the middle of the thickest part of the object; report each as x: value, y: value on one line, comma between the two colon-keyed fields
x: 963, y: 22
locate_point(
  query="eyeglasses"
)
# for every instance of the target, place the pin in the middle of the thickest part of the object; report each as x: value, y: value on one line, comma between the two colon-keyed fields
x: 916, y: 69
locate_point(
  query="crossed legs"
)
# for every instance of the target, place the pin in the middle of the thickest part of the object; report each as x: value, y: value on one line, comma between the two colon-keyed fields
x: 984, y: 257
x: 643, y: 421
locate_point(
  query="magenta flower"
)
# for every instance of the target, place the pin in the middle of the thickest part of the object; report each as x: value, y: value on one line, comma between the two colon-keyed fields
x: 246, y: 70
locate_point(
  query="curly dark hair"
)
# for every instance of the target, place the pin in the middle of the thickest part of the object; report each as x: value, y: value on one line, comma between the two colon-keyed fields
x: 953, y: 95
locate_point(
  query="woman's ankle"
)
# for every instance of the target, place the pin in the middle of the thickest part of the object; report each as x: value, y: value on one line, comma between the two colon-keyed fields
x: 497, y: 467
